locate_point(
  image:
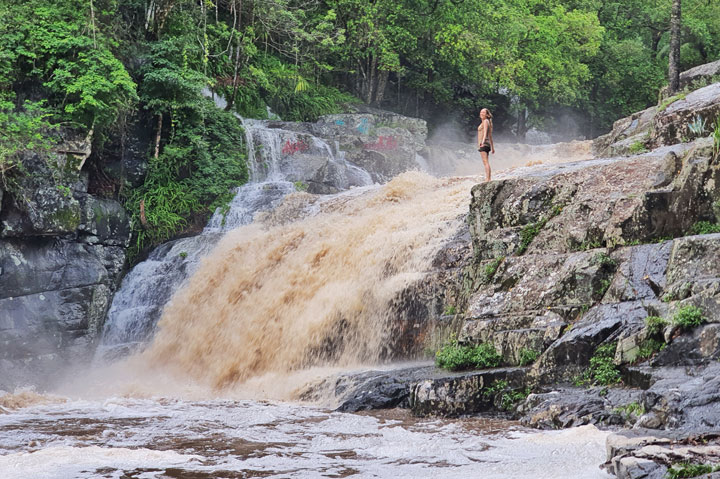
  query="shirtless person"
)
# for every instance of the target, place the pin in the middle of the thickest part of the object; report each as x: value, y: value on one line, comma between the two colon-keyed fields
x: 485, y: 140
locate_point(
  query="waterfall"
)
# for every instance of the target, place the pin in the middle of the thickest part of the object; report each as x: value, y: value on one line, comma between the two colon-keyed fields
x: 280, y: 162
x: 307, y: 286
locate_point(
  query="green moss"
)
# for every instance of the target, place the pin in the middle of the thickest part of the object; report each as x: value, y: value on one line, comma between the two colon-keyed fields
x: 449, y: 310
x: 530, y: 231
x: 68, y: 218
x: 300, y: 186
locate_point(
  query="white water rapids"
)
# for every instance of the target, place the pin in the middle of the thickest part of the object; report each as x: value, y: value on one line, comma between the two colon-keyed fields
x: 170, y: 438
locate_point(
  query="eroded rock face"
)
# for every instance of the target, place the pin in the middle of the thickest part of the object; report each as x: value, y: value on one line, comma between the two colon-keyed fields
x: 61, y: 255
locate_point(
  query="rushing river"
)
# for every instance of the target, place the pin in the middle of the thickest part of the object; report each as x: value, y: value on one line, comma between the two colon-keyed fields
x: 169, y: 438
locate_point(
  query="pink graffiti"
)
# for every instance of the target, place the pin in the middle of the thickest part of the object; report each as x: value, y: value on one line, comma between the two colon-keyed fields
x: 384, y: 143
x: 290, y: 148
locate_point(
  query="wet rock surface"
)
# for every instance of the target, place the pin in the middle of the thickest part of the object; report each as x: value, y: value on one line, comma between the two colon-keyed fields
x: 62, y: 251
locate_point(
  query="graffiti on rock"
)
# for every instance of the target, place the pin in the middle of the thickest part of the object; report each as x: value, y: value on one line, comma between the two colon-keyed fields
x: 384, y: 143
x: 292, y: 147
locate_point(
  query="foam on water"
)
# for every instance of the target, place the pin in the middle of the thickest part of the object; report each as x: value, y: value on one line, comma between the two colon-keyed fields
x: 222, y: 438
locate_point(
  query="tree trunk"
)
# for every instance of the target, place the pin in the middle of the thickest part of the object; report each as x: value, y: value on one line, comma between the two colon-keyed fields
x: 674, y: 63
x: 522, y: 125
x: 158, y: 135
x: 371, y: 81
x: 382, y: 83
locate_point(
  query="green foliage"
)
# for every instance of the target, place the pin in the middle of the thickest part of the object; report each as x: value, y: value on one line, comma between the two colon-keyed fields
x: 300, y: 186
x: 50, y: 46
x: 637, y: 148
x: 449, y: 310
x: 669, y: 101
x: 492, y: 267
x: 603, y: 259
x: 631, y: 409
x: 688, y: 317
x: 602, y: 371
x: 455, y: 357
x: 685, y: 470
x: 183, y: 254
x: 704, y: 228
x: 655, y: 324
x: 195, y: 174
x: 716, y: 137
x: 697, y: 126
x: 649, y: 348
x: 22, y: 130
x: 527, y: 356
x: 510, y: 399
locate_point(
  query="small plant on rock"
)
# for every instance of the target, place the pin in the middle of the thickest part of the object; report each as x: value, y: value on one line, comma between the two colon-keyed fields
x: 602, y: 370
x: 704, y: 228
x: 716, y: 137
x: 492, y: 268
x: 697, y: 126
x: 637, y: 148
x: 655, y: 325
x: 685, y: 470
x: 688, y: 317
x: 649, y: 348
x: 632, y: 409
x: 456, y: 357
x: 527, y: 356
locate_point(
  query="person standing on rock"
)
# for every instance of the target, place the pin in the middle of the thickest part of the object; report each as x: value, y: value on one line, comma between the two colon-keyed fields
x: 485, y: 140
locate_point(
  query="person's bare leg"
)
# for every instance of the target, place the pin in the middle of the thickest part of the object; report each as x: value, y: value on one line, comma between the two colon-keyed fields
x: 486, y: 162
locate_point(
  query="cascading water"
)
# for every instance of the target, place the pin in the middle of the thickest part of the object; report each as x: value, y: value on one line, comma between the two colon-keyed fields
x: 280, y: 161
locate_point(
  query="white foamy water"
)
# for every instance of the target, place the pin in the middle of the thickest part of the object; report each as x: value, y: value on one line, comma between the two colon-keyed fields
x: 169, y: 438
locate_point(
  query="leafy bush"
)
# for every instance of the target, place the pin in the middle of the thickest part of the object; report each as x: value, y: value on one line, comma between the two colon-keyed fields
x: 457, y: 357
x: 602, y: 370
x: 655, y: 324
x: 527, y: 356
x: 688, y: 317
x: 196, y: 173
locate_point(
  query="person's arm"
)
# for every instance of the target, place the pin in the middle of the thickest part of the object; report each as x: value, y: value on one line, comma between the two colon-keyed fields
x: 492, y: 144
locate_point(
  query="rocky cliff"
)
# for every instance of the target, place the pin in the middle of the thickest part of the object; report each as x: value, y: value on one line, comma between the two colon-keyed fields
x: 61, y: 254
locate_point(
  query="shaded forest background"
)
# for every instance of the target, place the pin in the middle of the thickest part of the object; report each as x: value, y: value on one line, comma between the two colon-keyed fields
x: 123, y: 69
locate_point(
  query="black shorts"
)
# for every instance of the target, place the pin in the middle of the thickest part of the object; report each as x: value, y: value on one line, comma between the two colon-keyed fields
x: 484, y: 149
